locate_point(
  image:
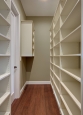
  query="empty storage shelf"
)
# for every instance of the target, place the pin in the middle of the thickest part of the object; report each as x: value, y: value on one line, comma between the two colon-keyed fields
x: 3, y: 97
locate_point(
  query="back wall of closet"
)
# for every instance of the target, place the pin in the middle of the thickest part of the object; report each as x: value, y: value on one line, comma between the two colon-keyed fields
x: 38, y: 68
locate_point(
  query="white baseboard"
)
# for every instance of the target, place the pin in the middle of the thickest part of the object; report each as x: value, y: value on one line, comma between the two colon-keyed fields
x: 12, y: 98
x: 37, y: 82
x: 33, y: 82
x: 21, y: 91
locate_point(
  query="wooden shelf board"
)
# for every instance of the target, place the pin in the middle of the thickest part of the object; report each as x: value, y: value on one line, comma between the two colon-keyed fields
x: 73, y: 92
x: 3, y: 97
x: 75, y: 73
x: 74, y: 36
x: 4, y: 5
x: 3, y: 21
x: 4, y: 113
x: 4, y: 76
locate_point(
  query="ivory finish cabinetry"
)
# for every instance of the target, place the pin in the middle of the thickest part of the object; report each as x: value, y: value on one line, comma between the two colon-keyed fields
x: 5, y: 43
x: 27, y: 38
x: 66, y: 57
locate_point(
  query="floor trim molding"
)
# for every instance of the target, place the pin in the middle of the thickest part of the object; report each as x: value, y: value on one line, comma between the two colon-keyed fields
x: 21, y: 91
x: 12, y: 97
x: 37, y: 82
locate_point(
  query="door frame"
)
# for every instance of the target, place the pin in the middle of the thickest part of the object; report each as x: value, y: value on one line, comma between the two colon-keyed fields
x: 18, y: 58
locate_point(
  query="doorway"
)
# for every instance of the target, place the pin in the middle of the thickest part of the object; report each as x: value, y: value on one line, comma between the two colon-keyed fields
x: 15, y: 52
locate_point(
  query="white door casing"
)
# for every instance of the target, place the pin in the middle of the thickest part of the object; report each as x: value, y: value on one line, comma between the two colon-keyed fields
x: 15, y: 52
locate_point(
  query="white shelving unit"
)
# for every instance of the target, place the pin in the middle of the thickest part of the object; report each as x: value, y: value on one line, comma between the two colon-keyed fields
x: 65, y: 57
x: 5, y: 35
x: 27, y: 39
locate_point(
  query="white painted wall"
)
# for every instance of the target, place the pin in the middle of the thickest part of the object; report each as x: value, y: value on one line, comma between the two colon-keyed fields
x: 38, y: 68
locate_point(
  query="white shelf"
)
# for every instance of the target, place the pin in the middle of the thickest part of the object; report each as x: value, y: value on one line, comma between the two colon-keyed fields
x: 66, y: 56
x: 3, y: 97
x: 3, y: 21
x: 27, y: 38
x: 74, y: 14
x: 64, y: 112
x: 57, y: 45
x: 4, y: 55
x: 74, y: 36
x: 4, y: 113
x: 56, y: 61
x: 71, y: 55
x: 56, y: 76
x: 56, y: 86
x: 74, y: 94
x: 4, y: 76
x: 51, y: 70
x: 75, y: 73
x: 58, y: 102
x: 2, y: 37
x: 5, y: 46
x: 56, y: 66
x: 70, y: 106
x: 4, y: 5
x: 67, y: 8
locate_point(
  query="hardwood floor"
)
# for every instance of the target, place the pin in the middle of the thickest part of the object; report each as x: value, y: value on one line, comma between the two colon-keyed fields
x: 36, y: 100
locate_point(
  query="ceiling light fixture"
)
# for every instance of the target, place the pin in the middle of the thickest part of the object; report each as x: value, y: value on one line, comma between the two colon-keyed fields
x: 43, y: 0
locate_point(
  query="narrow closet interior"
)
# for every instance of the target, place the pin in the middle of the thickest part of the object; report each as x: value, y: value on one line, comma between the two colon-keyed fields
x: 50, y: 57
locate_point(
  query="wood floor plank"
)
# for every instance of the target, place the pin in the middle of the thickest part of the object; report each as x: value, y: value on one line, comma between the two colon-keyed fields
x: 36, y: 100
